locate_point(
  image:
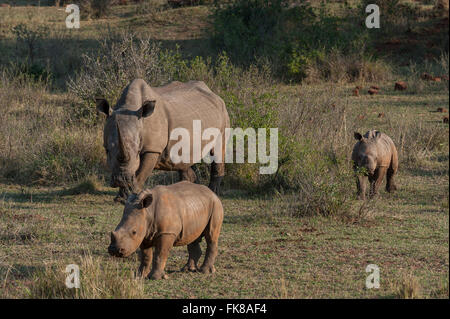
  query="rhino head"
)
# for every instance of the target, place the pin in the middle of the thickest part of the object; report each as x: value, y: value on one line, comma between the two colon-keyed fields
x: 132, y: 229
x: 366, y: 152
x: 122, y: 140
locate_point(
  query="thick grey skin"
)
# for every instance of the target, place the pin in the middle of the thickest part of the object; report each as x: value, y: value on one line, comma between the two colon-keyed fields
x: 376, y: 152
x: 137, y: 130
x: 166, y: 216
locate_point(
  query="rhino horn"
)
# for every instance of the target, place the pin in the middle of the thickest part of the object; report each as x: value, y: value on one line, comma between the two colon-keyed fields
x: 123, y: 154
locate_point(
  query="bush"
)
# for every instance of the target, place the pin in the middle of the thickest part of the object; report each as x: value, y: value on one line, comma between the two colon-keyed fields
x: 41, y: 141
x: 30, y: 38
x: 293, y: 37
x: 94, y: 8
x: 119, y: 60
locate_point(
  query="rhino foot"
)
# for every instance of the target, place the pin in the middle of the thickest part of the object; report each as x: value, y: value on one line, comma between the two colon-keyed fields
x: 207, y: 269
x: 143, y: 272
x: 158, y: 275
x: 189, y: 268
x: 391, y: 188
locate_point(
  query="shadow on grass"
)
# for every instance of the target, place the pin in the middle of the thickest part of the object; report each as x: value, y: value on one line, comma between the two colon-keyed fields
x: 48, y: 196
x: 429, y: 172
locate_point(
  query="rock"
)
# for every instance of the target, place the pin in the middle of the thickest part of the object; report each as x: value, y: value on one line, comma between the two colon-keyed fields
x: 441, y: 110
x: 436, y: 79
x: 444, y: 77
x: 5, y: 5
x: 380, y: 115
x: 400, y: 86
x: 372, y: 91
x: 375, y: 87
x: 361, y: 117
x: 356, y: 92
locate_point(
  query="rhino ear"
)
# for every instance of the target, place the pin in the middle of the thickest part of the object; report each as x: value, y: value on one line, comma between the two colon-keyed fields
x: 377, y: 134
x: 147, y: 108
x: 358, y: 136
x: 147, y: 200
x: 103, y: 106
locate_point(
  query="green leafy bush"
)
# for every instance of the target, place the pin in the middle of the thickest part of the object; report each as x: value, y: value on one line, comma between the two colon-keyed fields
x: 295, y: 38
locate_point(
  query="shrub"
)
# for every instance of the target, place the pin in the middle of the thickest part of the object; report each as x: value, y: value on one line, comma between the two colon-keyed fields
x: 120, y: 59
x: 292, y: 37
x: 30, y: 38
x: 95, y: 8
x: 246, y: 29
x: 40, y: 139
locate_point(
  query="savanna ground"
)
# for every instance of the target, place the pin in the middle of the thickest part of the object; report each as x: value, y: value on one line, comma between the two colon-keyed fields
x: 273, y: 244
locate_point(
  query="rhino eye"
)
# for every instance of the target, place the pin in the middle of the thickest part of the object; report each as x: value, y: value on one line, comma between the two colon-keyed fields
x: 133, y: 232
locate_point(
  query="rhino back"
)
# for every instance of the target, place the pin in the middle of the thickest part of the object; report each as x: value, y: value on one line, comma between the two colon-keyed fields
x: 384, y: 146
x: 186, y: 102
x: 183, y: 209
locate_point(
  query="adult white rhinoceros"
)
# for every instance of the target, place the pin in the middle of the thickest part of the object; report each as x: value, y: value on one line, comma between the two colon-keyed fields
x: 138, y: 129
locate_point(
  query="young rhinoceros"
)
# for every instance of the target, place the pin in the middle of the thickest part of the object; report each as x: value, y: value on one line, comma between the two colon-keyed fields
x: 166, y: 216
x: 375, y: 152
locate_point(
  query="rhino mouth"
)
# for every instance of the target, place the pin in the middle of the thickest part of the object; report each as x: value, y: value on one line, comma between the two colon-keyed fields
x: 125, y: 181
x: 116, y: 252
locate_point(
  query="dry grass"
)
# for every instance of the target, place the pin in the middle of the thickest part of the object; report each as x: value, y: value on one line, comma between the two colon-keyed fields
x: 407, y: 287
x: 98, y: 280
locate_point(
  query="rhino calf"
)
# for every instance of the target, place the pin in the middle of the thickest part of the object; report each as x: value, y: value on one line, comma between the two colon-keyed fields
x: 166, y: 216
x: 377, y: 154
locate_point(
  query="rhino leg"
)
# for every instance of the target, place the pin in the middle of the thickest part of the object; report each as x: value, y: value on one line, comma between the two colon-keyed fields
x: 217, y: 173
x: 162, y: 248
x: 148, y: 162
x: 390, y: 183
x: 392, y: 170
x: 361, y: 182
x: 212, y: 233
x: 376, y: 180
x: 195, y: 252
x: 188, y: 175
x: 146, y: 256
